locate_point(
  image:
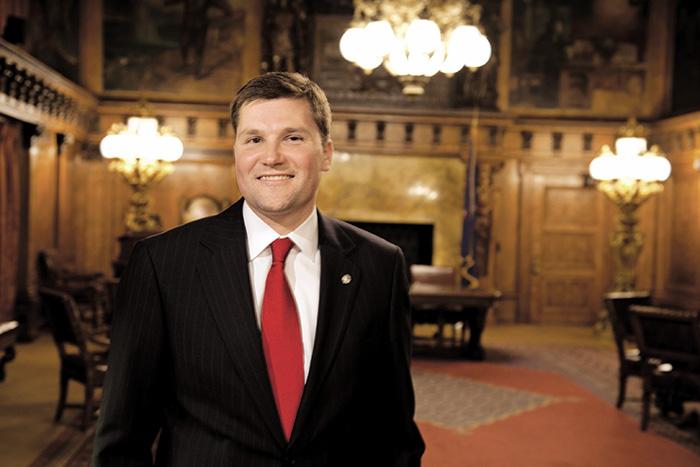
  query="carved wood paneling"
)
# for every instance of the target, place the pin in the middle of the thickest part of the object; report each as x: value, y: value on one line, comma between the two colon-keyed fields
x: 684, y: 235
x: 43, y: 202
x: 566, y: 301
x: 570, y: 206
x: 679, y: 214
x: 568, y: 250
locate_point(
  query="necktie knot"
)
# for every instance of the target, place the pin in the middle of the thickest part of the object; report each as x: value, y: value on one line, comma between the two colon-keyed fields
x: 280, y: 249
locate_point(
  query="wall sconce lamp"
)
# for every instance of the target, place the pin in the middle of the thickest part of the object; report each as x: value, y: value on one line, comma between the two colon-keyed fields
x: 629, y: 177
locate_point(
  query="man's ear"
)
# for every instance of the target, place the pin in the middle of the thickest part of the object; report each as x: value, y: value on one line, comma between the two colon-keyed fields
x: 327, y: 156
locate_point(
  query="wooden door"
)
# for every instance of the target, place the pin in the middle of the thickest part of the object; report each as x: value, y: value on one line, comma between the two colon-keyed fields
x: 563, y: 248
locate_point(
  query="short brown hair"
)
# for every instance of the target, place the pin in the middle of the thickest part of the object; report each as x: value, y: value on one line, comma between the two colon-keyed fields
x: 277, y: 84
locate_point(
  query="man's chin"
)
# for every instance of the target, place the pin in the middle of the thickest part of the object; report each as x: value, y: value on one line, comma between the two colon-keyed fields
x: 279, y: 211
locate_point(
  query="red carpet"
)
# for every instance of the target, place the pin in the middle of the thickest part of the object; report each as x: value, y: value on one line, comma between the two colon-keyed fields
x: 572, y: 427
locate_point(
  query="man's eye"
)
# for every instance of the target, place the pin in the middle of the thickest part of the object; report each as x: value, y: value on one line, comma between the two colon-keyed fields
x: 254, y: 140
x: 295, y: 138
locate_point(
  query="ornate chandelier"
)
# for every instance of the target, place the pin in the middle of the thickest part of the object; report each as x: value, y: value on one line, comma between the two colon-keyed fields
x: 416, y: 39
x: 628, y: 178
x: 142, y: 153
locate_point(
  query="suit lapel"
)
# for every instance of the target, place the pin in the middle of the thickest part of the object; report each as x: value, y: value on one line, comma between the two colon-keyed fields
x: 334, y: 308
x: 223, y: 268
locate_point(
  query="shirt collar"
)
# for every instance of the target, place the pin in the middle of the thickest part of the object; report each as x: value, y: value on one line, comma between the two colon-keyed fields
x: 260, y: 235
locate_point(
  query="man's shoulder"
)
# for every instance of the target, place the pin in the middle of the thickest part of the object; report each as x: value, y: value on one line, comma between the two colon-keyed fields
x: 187, y: 234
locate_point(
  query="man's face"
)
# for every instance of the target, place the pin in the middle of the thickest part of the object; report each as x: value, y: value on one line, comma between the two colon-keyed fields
x: 279, y: 158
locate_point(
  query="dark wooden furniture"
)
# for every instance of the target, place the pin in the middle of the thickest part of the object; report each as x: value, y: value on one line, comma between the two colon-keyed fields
x: 86, y: 288
x: 630, y: 364
x: 82, y: 359
x: 8, y: 337
x: 440, y: 304
x: 672, y: 336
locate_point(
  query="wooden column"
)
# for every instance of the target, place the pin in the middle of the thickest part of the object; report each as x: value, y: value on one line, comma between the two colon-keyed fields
x: 90, y: 45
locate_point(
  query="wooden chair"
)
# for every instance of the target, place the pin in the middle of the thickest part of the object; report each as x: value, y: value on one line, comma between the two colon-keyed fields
x: 674, y: 337
x: 82, y: 359
x: 617, y: 304
x: 86, y: 288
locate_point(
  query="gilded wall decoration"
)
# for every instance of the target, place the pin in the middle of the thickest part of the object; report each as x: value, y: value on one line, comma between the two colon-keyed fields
x: 580, y: 54
x: 484, y: 216
x: 200, y: 206
x: 406, y: 189
x: 174, y: 47
x: 286, y: 41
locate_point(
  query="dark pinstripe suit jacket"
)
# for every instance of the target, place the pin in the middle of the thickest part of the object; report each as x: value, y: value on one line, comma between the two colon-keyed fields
x: 187, y: 357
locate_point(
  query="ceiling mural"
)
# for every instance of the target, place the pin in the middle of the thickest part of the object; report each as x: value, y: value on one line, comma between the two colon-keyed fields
x: 172, y: 47
x: 50, y: 33
x: 578, y: 54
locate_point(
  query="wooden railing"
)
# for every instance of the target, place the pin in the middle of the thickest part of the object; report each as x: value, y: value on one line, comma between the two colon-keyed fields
x: 32, y: 92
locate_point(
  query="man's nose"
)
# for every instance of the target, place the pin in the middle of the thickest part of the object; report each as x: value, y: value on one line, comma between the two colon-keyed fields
x: 273, y: 155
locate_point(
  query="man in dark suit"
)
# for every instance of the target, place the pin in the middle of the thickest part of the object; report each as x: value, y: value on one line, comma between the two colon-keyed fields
x: 270, y: 334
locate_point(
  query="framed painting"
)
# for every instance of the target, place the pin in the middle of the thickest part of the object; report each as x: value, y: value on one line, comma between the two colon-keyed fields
x: 174, y: 48
x: 578, y: 55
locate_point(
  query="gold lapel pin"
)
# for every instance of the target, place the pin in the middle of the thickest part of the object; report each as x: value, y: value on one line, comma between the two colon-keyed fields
x: 346, y: 279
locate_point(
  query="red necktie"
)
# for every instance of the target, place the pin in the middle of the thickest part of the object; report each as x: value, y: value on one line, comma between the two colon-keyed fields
x: 281, y: 338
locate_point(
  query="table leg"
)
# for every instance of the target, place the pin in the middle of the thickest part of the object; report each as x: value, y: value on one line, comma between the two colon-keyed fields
x: 476, y: 318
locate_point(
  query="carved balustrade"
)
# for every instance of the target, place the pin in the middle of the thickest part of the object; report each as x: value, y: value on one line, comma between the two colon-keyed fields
x: 32, y: 92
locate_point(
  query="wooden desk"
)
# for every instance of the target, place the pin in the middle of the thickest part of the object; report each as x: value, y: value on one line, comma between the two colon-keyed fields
x: 8, y: 337
x: 449, y: 304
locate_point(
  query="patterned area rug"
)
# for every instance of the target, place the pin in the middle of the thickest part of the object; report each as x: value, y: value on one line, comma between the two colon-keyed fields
x: 462, y: 404
x: 470, y: 412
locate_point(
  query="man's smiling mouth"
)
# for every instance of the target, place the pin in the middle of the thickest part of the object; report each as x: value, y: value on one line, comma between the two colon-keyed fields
x: 275, y: 177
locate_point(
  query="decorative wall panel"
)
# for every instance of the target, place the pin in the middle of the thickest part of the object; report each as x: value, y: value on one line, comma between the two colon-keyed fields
x: 568, y: 250
x: 684, y: 234
x: 376, y: 188
x: 570, y: 206
x: 566, y: 301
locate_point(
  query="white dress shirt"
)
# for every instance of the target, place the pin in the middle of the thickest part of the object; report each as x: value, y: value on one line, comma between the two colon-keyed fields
x: 302, y: 269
